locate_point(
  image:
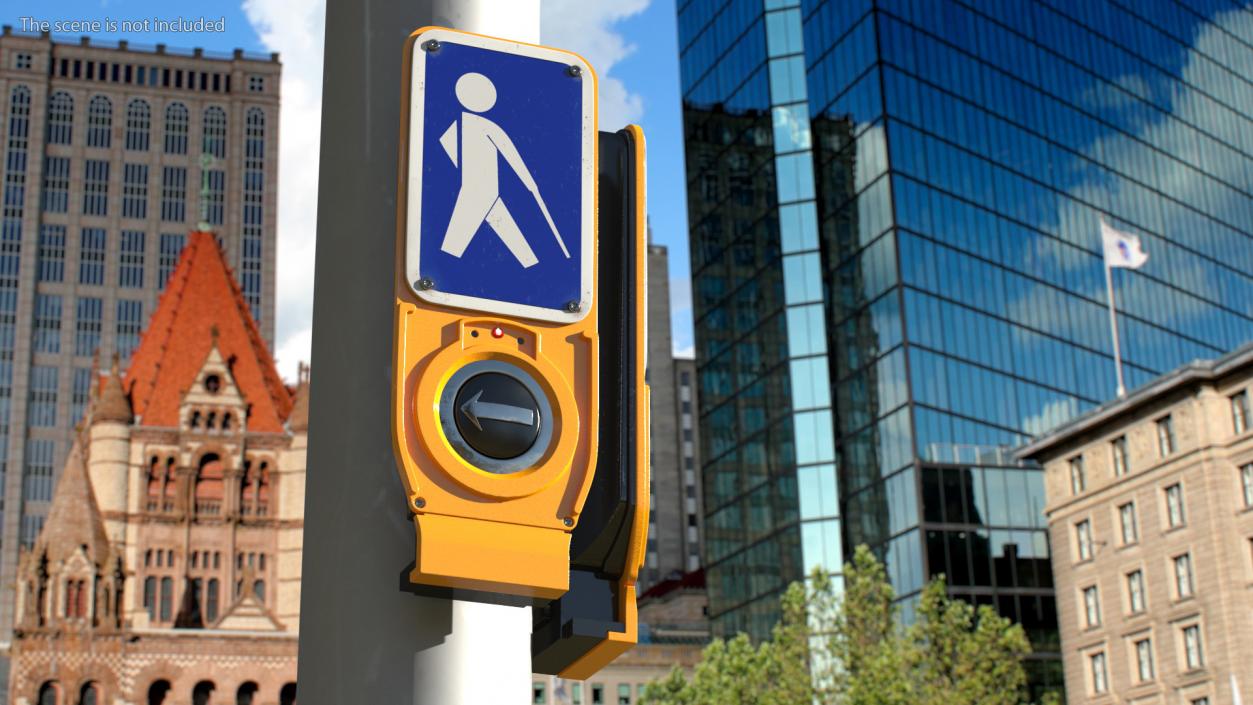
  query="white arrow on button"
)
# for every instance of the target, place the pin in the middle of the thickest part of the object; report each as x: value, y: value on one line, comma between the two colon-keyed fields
x: 475, y: 409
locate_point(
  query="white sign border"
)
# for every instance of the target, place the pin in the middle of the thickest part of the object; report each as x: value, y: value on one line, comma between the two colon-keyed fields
x: 413, y: 192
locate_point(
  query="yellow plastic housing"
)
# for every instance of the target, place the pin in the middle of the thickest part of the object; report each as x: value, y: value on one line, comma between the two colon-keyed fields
x: 477, y: 530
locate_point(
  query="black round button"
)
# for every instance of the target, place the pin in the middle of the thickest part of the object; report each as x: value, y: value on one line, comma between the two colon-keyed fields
x: 496, y: 415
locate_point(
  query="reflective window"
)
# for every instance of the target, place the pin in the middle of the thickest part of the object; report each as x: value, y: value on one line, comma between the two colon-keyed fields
x: 1135, y: 591
x: 99, y: 122
x: 138, y: 125
x: 1246, y: 484
x: 176, y: 119
x: 1128, y: 523
x: 1240, y: 412
x: 1100, y: 678
x: 1174, y: 505
x: 1118, y: 455
x: 1144, y: 660
x: 1083, y: 539
x: 1183, y: 576
x: 135, y: 191
x: 1165, y: 436
x: 1091, y: 607
x: 60, y: 118
x: 1192, y: 655
x: 1078, y: 475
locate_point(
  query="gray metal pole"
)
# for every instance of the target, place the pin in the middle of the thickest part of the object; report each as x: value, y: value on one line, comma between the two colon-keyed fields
x: 363, y: 638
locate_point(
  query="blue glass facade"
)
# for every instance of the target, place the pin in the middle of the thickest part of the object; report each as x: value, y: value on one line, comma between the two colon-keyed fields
x: 911, y: 265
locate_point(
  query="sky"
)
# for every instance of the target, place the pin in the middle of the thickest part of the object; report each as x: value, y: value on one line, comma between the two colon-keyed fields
x: 632, y: 45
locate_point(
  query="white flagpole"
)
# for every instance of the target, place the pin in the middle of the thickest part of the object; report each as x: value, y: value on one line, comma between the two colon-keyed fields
x: 1113, y: 327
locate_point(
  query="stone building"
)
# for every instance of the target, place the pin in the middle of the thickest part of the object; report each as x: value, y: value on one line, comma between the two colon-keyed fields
x: 168, y: 570
x: 112, y: 153
x: 675, y: 526
x: 1150, y: 512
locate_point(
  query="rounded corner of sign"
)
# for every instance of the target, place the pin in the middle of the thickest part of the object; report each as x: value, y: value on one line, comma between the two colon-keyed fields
x: 428, y: 295
x: 426, y: 29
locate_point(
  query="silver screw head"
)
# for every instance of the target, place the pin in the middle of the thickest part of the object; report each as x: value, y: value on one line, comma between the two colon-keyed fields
x: 419, y: 502
x: 568, y: 521
x: 572, y: 306
x: 426, y: 284
x: 575, y: 71
x: 431, y: 45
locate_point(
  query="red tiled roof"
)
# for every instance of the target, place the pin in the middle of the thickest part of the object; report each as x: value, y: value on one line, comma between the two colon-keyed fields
x: 202, y: 300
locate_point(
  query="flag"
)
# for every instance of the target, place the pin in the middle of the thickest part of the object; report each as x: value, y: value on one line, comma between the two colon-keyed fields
x: 1122, y: 249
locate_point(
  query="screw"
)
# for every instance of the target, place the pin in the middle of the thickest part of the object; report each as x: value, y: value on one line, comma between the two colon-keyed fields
x: 568, y: 521
x: 419, y: 502
x: 425, y: 283
x: 572, y: 306
x: 431, y: 45
x: 574, y: 71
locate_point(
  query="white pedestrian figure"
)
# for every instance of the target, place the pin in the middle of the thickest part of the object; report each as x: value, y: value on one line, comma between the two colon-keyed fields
x: 482, y: 143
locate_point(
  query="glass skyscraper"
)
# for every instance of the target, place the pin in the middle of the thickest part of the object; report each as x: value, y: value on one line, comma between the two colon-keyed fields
x: 897, y: 274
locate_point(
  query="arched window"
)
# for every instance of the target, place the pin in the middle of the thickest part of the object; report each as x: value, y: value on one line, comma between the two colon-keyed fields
x: 246, y: 693
x: 209, y: 485
x: 161, y: 486
x: 190, y: 614
x: 156, y: 479
x: 170, y: 487
x: 195, y: 419
x: 263, y: 490
x: 226, y: 421
x: 287, y: 696
x: 254, y: 134
x: 252, y: 245
x: 167, y: 598
x: 60, y: 118
x: 89, y: 694
x: 255, y: 490
x: 138, y: 125
x: 176, y: 129
x: 70, y: 598
x: 211, y: 601
x: 158, y: 691
x: 99, y: 122
x: 258, y: 589
x: 211, y: 421
x: 202, y: 692
x: 50, y: 693
x: 75, y: 599
x: 150, y: 597
x: 215, y: 132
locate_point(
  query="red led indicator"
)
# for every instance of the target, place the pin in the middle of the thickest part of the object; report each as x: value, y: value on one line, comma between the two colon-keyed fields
x: 497, y: 332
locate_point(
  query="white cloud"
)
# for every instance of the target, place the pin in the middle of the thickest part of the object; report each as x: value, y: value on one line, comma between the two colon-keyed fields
x: 295, y: 30
x: 586, y: 28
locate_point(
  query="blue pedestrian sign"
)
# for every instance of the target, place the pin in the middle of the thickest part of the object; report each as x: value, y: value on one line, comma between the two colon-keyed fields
x: 501, y: 177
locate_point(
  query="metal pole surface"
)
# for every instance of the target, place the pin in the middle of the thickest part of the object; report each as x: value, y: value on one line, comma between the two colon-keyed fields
x: 1113, y: 329
x: 363, y: 637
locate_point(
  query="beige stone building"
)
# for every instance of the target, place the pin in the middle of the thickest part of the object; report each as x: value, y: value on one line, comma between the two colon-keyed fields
x: 112, y: 153
x: 1150, y: 510
x: 168, y: 570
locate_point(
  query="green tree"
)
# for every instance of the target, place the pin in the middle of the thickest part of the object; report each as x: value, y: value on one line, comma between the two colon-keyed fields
x: 848, y: 646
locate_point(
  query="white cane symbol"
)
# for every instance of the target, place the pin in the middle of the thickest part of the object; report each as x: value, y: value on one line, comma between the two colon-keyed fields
x: 482, y: 143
